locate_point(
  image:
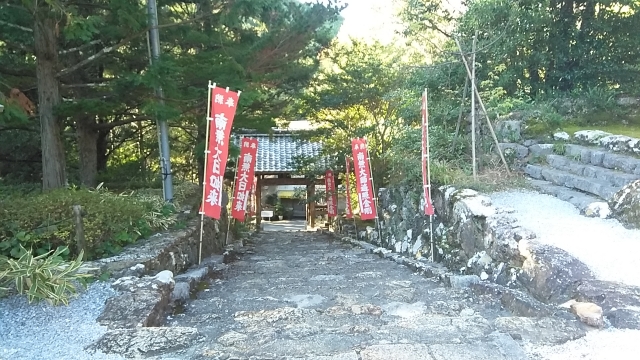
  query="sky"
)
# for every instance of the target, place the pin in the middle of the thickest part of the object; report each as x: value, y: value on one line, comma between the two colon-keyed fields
x: 369, y: 20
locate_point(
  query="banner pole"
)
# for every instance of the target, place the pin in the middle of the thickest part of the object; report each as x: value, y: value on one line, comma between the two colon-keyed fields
x: 428, y: 160
x: 348, y: 190
x: 206, y: 157
x: 375, y: 194
x: 233, y: 197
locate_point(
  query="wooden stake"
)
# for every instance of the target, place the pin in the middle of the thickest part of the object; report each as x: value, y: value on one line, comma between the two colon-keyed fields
x: 79, y: 231
x: 474, y: 90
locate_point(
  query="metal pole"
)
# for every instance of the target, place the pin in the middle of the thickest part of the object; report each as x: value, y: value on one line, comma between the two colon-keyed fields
x: 165, y: 155
x: 233, y: 196
x: 473, y: 109
x: 206, y: 157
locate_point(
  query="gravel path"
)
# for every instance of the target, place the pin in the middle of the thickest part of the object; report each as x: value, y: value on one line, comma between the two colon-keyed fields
x: 44, y: 332
x: 609, y: 249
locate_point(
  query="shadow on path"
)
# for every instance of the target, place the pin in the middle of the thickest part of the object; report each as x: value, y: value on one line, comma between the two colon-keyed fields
x: 305, y: 295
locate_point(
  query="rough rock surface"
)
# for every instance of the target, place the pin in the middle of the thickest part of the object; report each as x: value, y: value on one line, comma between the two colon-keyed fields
x: 518, y: 151
x: 307, y: 295
x: 509, y: 130
x: 517, y: 302
x: 616, y: 143
x: 145, y: 342
x: 625, y: 204
x: 142, y: 302
x: 552, y: 330
x: 549, y: 273
x: 620, y: 303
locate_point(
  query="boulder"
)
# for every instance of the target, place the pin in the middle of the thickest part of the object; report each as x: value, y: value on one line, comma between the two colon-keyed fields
x: 562, y: 135
x: 621, y: 143
x: 143, y: 301
x: 625, y: 204
x: 550, y: 274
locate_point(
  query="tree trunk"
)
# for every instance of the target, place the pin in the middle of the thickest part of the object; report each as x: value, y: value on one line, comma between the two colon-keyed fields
x: 87, y: 151
x: 46, y: 51
x: 103, y: 149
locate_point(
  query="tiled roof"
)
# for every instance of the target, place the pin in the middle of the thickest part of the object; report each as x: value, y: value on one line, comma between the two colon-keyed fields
x: 277, y: 152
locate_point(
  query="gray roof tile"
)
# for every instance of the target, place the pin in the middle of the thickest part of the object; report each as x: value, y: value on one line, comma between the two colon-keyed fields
x: 276, y: 152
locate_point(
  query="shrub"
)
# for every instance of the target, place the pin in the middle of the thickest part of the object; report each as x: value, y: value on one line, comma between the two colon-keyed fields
x: 44, y: 277
x: 43, y: 221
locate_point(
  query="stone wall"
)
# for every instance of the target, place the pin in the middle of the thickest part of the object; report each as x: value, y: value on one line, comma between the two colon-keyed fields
x: 172, y: 250
x: 473, y: 237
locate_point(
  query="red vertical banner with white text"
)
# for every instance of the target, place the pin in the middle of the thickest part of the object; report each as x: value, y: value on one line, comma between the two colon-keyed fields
x: 364, y: 184
x: 244, y: 177
x: 332, y: 197
x: 348, y: 189
x: 223, y: 110
x: 428, y: 206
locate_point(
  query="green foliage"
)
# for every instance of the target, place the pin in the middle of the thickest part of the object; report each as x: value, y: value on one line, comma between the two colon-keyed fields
x: 44, y: 277
x: 559, y: 148
x: 43, y: 221
x: 268, y: 49
x: 404, y: 157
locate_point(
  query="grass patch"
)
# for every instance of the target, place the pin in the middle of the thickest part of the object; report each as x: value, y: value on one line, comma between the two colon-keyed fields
x: 492, y: 180
x: 619, y: 124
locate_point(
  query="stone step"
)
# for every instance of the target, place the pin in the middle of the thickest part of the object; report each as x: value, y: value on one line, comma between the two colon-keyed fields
x: 600, y: 188
x: 574, y: 197
x: 613, y: 177
x: 603, y: 158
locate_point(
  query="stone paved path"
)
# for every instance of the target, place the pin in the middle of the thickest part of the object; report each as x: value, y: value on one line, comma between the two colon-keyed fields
x: 303, y: 295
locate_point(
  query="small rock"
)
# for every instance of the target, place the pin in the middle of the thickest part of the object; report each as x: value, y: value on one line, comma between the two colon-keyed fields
x: 467, y: 312
x: 484, y: 276
x: 561, y: 136
x: 164, y: 277
x: 588, y: 313
x: 598, y: 209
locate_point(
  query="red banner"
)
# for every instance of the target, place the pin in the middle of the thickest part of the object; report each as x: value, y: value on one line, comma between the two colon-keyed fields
x: 364, y: 185
x: 426, y: 181
x: 347, y: 181
x: 244, y: 177
x: 220, y: 118
x: 332, y: 197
